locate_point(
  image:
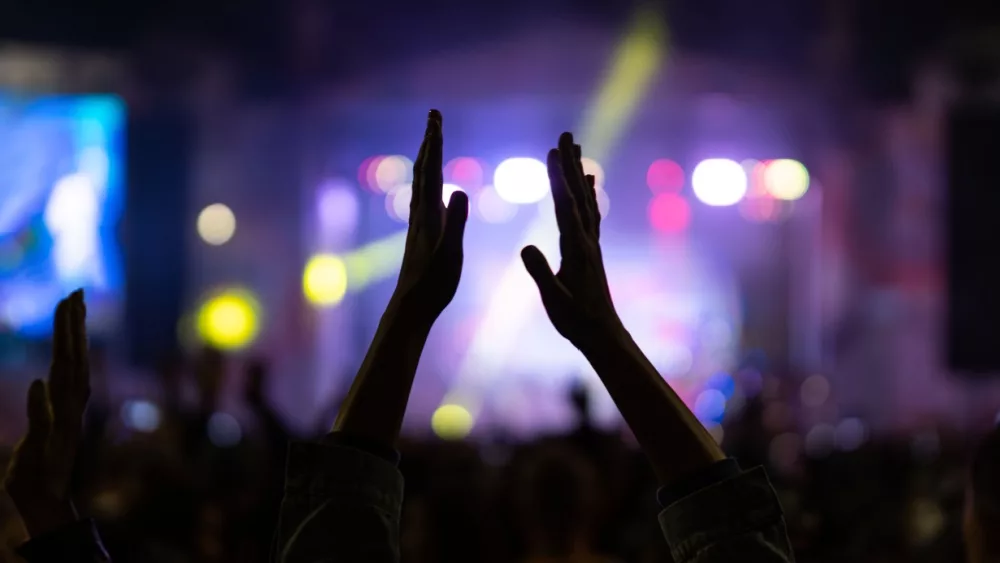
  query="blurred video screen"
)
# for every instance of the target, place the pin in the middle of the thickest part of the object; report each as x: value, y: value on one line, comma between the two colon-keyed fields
x: 61, y: 198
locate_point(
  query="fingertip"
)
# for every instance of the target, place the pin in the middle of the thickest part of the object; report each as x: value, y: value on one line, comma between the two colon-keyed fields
x: 36, y: 399
x: 566, y: 140
x: 532, y: 258
x: 554, y: 161
x: 459, y: 200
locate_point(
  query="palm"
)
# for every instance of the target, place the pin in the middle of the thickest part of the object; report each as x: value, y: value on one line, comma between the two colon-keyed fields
x: 576, y: 299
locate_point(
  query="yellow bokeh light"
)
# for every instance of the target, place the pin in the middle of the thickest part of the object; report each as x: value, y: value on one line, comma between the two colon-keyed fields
x: 325, y: 280
x: 216, y: 224
x: 451, y: 422
x: 228, y: 320
x: 786, y: 179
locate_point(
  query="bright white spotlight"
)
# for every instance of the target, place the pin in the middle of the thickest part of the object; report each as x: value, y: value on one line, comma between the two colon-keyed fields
x: 719, y: 182
x: 521, y: 180
x: 449, y: 189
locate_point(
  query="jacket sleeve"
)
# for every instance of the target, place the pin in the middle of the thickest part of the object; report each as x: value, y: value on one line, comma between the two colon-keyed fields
x: 342, y: 504
x: 735, y: 520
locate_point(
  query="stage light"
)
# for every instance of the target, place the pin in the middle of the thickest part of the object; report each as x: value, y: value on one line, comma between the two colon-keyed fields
x: 464, y: 171
x: 815, y: 390
x: 594, y: 168
x: 393, y: 171
x: 397, y: 202
x: 521, y: 180
x: 338, y: 207
x: 229, y: 320
x: 366, y: 172
x: 719, y: 182
x: 850, y: 434
x: 325, y: 280
x: 452, y: 422
x: 669, y: 213
x: 216, y: 224
x: 665, y: 175
x: 492, y: 208
x: 224, y: 430
x: 140, y: 415
x: 786, y: 179
x: 710, y: 406
x: 447, y: 190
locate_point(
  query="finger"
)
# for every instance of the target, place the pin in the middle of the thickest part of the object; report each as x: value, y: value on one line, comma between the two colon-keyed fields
x: 449, y: 253
x: 573, y: 171
x: 39, y: 417
x: 455, y: 219
x: 540, y: 271
x: 592, y: 183
x: 62, y: 353
x: 81, y: 354
x: 589, y: 193
x: 418, y: 174
x: 433, y: 179
x: 567, y: 217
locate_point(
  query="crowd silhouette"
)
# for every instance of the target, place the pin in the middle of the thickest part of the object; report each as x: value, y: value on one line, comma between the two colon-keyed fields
x: 84, y: 495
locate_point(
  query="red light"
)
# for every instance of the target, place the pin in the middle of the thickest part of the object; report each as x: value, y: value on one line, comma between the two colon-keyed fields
x: 465, y: 172
x: 669, y: 213
x: 665, y: 176
x: 366, y: 172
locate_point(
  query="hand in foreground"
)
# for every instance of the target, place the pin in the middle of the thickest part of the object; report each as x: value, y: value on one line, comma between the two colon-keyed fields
x: 579, y: 305
x: 428, y: 279
x: 39, y: 474
x: 576, y: 298
x: 432, y: 261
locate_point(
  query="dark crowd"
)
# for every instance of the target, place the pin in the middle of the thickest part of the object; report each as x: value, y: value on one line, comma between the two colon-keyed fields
x: 82, y: 488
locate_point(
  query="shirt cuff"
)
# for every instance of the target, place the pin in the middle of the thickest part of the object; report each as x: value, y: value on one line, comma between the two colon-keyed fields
x: 78, y: 541
x: 715, y: 473
x: 367, y: 445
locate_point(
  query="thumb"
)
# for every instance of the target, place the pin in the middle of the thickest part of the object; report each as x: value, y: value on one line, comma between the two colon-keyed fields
x: 540, y: 271
x: 456, y: 216
x: 39, y: 418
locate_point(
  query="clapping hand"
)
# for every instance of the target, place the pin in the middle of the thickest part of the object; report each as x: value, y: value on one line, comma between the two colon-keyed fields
x: 39, y: 474
x: 432, y: 261
x: 576, y: 298
x: 428, y: 279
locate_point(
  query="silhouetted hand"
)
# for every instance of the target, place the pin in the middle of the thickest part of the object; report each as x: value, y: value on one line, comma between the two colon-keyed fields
x: 432, y: 261
x: 576, y: 298
x: 39, y: 474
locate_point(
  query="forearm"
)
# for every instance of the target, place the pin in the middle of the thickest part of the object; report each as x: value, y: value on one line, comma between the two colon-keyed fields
x: 377, y: 400
x: 668, y: 432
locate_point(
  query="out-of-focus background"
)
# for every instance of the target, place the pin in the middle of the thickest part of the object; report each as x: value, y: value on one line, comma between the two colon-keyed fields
x: 798, y: 198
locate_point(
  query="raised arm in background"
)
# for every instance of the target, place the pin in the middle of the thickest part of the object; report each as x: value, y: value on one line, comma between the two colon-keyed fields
x: 343, y: 496
x: 38, y: 479
x: 712, y: 511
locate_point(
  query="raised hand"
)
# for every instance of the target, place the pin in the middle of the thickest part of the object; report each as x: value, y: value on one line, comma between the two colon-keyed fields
x: 39, y: 474
x: 432, y: 261
x: 576, y: 298
x: 428, y: 279
x: 579, y: 305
